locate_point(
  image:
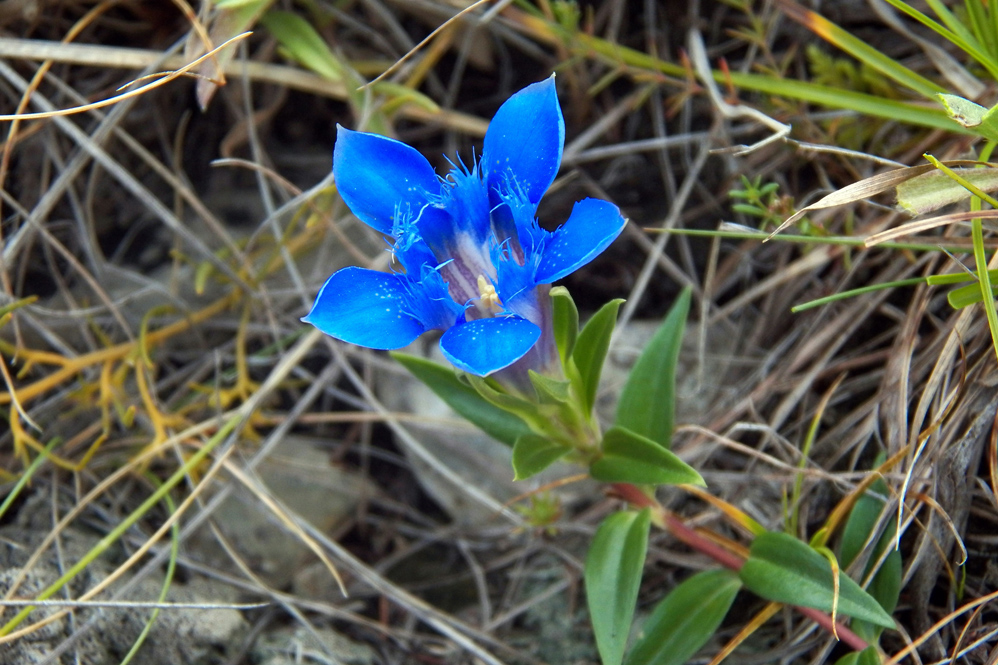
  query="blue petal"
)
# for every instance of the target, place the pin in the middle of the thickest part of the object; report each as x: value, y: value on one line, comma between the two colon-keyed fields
x: 466, y: 200
x: 365, y: 307
x: 513, y: 281
x: 437, y: 229
x: 525, y: 140
x: 376, y: 175
x: 487, y: 345
x: 414, y: 255
x: 591, y: 227
x: 430, y: 301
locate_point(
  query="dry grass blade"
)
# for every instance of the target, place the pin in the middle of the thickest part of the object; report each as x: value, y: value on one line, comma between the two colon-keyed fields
x: 921, y: 225
x: 160, y: 79
x: 858, y: 191
x: 157, y: 258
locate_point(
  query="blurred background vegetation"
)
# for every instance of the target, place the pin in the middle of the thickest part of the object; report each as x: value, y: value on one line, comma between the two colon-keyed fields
x: 211, y: 475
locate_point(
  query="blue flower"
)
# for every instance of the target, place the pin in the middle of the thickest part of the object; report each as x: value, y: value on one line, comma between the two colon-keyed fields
x: 470, y: 257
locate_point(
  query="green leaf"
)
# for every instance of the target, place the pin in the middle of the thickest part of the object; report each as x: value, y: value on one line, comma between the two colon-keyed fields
x: 862, y: 519
x: 648, y: 401
x: 931, y: 191
x: 533, y: 453
x: 885, y: 587
x: 862, y: 51
x: 497, y: 423
x: 685, y: 619
x: 867, y: 656
x: 965, y: 296
x: 533, y: 414
x: 967, y: 113
x: 566, y: 322
x: 989, y: 124
x: 631, y: 458
x: 783, y: 569
x: 549, y: 389
x: 303, y: 44
x: 614, y: 565
x: 590, y: 350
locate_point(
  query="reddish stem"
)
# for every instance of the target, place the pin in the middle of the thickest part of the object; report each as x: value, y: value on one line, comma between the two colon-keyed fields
x: 635, y: 496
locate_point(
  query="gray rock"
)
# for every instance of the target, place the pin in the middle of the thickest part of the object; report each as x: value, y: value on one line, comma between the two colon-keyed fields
x: 320, y: 646
x: 301, y: 476
x: 189, y: 636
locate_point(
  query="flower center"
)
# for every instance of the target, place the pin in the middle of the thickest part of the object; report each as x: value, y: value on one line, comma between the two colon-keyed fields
x: 488, y: 297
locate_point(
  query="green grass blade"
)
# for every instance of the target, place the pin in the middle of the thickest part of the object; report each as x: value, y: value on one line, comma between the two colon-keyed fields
x: 588, y: 46
x: 811, y: 304
x: 831, y: 97
x: 951, y: 21
x: 171, y: 567
x: 970, y: 48
x: 26, y: 477
x: 979, y: 25
x: 992, y: 29
x: 982, y: 272
x: 862, y: 51
x: 844, y: 241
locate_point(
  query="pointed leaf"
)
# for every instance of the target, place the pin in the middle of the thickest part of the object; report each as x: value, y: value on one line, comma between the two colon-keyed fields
x: 632, y: 458
x: 590, y: 350
x: 303, y: 44
x: 885, y: 587
x: 685, y: 619
x: 566, y: 322
x: 614, y: 565
x: 783, y: 569
x: 497, y: 423
x: 533, y: 453
x: 648, y: 402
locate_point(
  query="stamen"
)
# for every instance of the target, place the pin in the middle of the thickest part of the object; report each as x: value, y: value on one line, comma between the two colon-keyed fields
x: 488, y: 296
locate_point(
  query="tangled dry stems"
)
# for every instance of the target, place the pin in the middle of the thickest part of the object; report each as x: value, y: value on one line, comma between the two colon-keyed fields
x: 169, y: 290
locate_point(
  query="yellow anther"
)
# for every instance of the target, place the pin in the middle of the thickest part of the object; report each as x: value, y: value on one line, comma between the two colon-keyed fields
x: 488, y: 296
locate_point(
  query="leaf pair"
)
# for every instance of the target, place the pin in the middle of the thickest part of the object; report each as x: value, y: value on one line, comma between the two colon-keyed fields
x: 636, y: 449
x: 678, y: 626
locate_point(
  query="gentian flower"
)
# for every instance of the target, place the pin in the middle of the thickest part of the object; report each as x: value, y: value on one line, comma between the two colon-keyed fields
x: 470, y: 257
